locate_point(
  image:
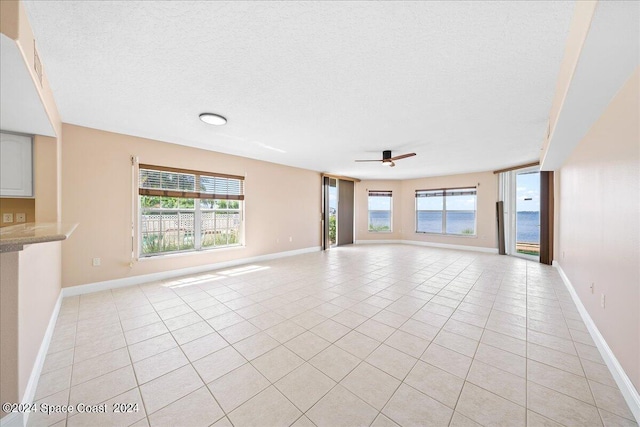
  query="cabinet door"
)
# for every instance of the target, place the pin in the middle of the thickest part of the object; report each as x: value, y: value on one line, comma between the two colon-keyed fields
x: 16, y: 166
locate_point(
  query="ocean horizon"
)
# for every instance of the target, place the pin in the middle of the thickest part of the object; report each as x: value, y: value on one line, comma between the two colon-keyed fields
x: 528, y: 223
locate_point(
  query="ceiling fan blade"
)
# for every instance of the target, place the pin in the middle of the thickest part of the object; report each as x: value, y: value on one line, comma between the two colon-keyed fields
x: 368, y: 160
x: 403, y: 156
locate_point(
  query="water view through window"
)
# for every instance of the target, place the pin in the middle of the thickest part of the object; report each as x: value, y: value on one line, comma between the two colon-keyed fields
x: 528, y: 213
x: 380, y: 210
x: 448, y: 211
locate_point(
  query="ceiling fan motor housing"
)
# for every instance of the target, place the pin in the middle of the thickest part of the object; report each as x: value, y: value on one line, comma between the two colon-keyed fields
x: 386, y: 155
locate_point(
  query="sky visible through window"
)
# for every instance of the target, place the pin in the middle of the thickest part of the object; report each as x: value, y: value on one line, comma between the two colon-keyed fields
x: 379, y: 203
x: 454, y: 203
x: 528, y: 187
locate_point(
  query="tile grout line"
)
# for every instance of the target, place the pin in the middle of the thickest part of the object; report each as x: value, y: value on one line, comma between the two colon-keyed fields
x: 135, y: 376
x: 190, y: 363
x: 73, y: 359
x: 581, y: 364
x: 361, y: 361
x: 475, y: 352
x: 418, y: 359
x: 241, y: 288
x: 295, y: 316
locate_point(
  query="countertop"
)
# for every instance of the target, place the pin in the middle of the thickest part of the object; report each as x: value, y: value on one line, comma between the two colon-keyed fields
x: 13, y: 238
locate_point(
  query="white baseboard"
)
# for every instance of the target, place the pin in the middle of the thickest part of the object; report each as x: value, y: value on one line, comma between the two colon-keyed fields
x: 448, y: 246
x: 376, y: 242
x: 629, y: 392
x: 14, y: 419
x: 20, y: 419
x: 163, y: 275
x: 430, y: 244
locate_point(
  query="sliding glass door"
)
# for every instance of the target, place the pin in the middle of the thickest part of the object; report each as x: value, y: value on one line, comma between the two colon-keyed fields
x: 337, y: 212
x: 528, y: 214
x: 329, y: 212
x: 520, y: 191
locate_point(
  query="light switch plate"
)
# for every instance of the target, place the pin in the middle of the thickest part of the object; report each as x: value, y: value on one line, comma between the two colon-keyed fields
x: 8, y: 217
x: 21, y: 217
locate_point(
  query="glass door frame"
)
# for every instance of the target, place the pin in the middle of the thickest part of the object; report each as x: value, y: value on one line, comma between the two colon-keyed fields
x: 508, y: 190
x: 327, y: 184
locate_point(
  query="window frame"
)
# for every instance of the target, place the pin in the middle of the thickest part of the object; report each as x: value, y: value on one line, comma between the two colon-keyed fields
x: 234, y: 193
x: 444, y: 192
x: 382, y: 193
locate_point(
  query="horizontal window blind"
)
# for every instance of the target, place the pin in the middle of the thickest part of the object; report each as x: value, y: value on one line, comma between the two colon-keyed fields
x: 461, y: 192
x: 448, y: 192
x: 429, y: 193
x: 375, y: 193
x: 184, y: 183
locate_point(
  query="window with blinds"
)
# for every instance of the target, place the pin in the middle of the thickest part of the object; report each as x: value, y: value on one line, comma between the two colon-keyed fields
x: 185, y: 210
x: 446, y: 211
x: 380, y: 204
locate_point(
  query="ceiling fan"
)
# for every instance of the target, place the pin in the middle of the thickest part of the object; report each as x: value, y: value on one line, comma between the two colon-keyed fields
x: 387, y: 160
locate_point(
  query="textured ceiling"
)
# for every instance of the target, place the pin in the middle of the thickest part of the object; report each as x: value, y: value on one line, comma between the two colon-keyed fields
x: 466, y: 85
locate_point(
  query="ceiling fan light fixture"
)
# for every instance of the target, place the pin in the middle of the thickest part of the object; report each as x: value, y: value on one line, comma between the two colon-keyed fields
x: 213, y: 119
x: 388, y: 160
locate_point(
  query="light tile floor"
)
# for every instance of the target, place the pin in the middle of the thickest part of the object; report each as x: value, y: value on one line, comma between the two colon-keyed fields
x: 380, y: 335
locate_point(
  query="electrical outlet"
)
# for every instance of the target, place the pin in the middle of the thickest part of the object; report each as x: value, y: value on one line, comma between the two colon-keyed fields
x: 290, y: 238
x: 602, y: 300
x: 95, y: 262
x: 8, y: 217
x: 21, y: 217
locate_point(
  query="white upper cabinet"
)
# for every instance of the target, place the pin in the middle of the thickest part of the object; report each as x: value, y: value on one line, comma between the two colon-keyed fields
x: 16, y: 165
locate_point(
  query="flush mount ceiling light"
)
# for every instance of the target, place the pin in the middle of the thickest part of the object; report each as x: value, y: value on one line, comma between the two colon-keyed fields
x: 213, y: 119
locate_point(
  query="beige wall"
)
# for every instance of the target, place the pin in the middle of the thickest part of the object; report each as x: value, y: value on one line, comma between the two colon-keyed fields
x: 9, y: 276
x: 9, y: 18
x: 599, y: 227
x: 281, y: 202
x: 38, y: 292
x: 14, y: 206
x: 404, y: 208
x: 31, y: 279
x: 362, y: 210
x: 28, y: 296
x: 46, y: 179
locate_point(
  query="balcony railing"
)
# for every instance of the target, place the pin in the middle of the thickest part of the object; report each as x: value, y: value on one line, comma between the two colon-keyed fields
x: 171, y: 231
x: 528, y: 248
